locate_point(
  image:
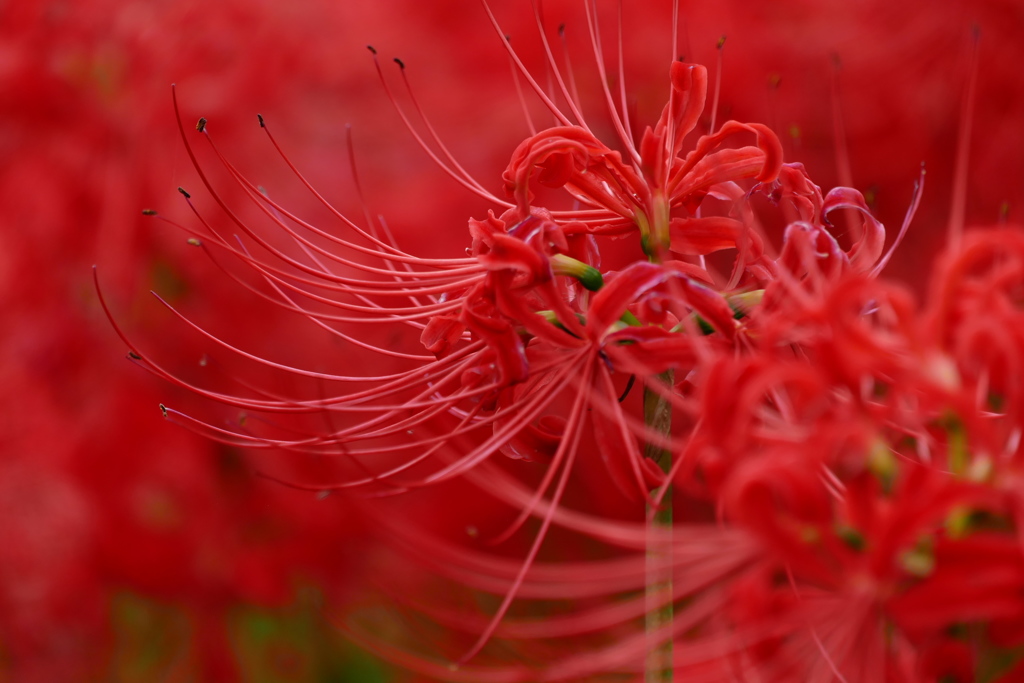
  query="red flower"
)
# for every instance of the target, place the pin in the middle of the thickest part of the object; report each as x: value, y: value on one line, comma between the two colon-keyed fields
x: 844, y: 467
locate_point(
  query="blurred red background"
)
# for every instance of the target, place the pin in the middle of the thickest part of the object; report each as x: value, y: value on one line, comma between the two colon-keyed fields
x: 131, y: 550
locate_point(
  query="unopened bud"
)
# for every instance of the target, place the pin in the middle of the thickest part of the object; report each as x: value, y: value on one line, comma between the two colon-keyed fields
x: 588, y: 276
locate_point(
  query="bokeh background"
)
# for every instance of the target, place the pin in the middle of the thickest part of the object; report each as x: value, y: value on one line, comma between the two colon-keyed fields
x: 132, y: 550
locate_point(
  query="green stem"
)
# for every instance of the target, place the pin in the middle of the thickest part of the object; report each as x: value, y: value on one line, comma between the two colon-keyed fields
x: 658, y: 417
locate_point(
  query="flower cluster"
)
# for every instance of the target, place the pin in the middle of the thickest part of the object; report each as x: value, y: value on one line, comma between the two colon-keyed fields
x: 714, y: 455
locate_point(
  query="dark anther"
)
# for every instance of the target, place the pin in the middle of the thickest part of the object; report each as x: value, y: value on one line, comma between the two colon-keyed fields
x: 371, y: 49
x: 149, y: 212
x: 163, y: 409
x: 186, y: 194
x: 134, y: 356
x: 259, y: 117
x: 629, y: 385
x: 201, y: 124
x: 400, y: 63
x: 561, y: 30
x: 721, y: 42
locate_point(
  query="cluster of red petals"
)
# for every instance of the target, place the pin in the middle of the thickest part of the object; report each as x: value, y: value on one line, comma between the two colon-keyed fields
x: 871, y: 450
x: 626, y: 341
x: 846, y: 484
x: 843, y: 464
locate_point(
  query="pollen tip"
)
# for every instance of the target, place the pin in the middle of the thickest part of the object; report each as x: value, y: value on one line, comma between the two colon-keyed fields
x: 372, y: 49
x: 721, y: 42
x: 201, y: 124
x: 184, y: 193
x: 400, y: 63
x: 163, y: 410
x: 194, y: 242
x: 134, y: 356
x: 561, y: 30
x: 259, y: 117
x: 149, y: 212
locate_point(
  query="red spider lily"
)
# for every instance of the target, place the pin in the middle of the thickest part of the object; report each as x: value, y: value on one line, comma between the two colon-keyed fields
x: 534, y: 348
x: 509, y: 281
x: 837, y: 451
x: 868, y: 531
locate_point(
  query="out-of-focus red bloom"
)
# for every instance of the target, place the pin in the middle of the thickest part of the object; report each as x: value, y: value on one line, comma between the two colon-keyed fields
x: 99, y: 498
x: 47, y: 550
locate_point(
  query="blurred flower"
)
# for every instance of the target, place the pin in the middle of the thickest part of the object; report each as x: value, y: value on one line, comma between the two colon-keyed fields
x: 99, y: 498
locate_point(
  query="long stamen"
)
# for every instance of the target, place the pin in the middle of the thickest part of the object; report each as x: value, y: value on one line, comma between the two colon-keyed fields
x: 456, y: 173
x: 957, y: 207
x: 568, y: 450
x: 617, y: 122
x: 717, y: 91
x: 539, y: 91
x: 566, y: 92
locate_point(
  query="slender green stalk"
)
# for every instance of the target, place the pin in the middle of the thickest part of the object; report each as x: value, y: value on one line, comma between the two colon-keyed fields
x: 658, y: 417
